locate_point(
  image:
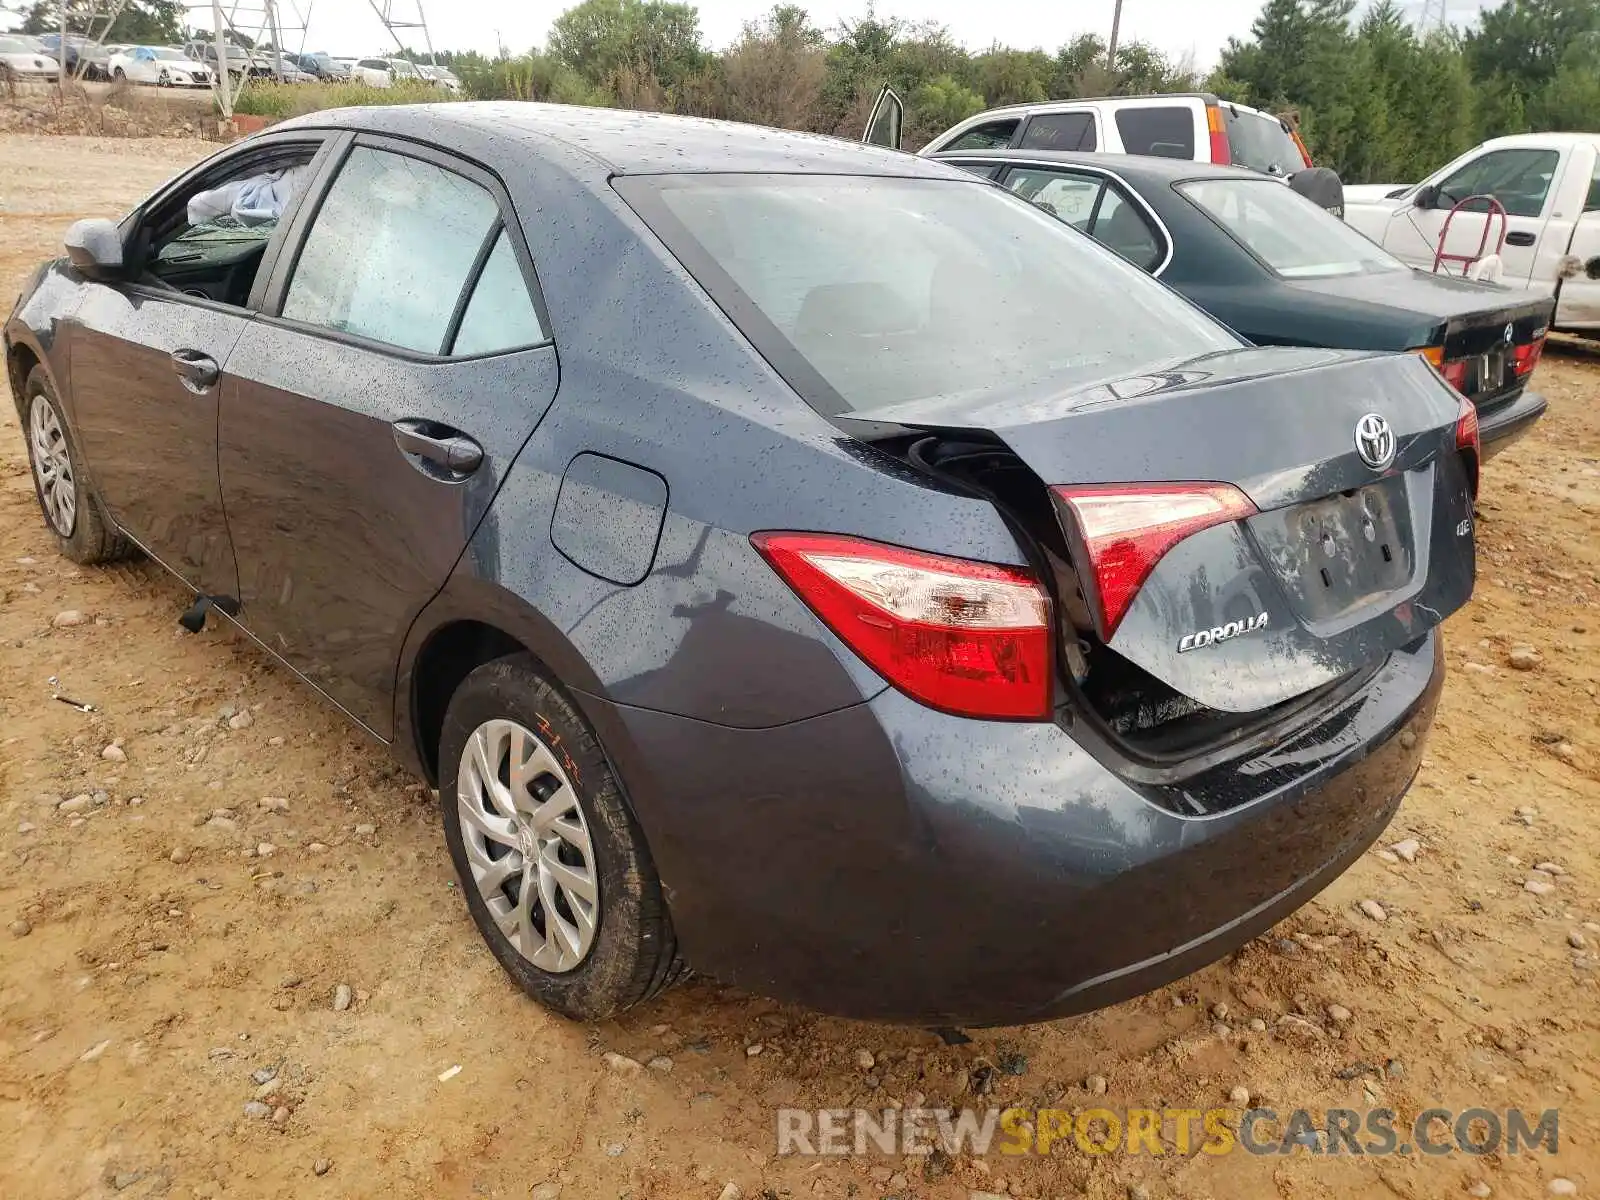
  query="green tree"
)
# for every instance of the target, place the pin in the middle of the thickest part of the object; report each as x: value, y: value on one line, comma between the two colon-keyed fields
x: 141, y: 21
x: 601, y: 39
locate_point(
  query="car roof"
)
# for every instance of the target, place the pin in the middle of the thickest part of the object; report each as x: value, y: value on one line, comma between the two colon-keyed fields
x: 633, y: 143
x: 1150, y: 167
x: 1048, y: 106
x: 1517, y: 140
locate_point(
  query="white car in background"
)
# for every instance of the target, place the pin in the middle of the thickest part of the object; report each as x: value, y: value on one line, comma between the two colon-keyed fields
x: 160, y: 65
x: 19, y: 57
x: 441, y: 77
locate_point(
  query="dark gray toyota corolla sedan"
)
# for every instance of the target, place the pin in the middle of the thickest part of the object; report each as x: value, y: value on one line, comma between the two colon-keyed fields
x: 793, y: 559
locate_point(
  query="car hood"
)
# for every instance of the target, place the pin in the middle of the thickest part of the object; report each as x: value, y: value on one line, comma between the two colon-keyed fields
x: 1421, y: 293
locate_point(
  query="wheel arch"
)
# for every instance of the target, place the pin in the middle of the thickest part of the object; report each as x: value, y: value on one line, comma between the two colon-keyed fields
x: 470, y: 623
x: 21, y: 360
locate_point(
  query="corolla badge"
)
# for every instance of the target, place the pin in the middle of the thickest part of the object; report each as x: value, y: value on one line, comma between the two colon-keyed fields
x: 1201, y: 638
x: 1375, y: 441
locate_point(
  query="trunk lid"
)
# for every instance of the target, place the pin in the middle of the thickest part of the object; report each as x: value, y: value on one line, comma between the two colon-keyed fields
x: 1341, y: 565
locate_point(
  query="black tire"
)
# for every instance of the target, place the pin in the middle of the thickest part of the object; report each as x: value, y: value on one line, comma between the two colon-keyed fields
x: 119, y: 75
x: 634, y: 953
x: 93, y: 539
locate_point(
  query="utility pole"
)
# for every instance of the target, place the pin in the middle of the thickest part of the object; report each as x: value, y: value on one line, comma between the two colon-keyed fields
x: 224, y: 81
x: 61, y: 66
x: 1111, y: 49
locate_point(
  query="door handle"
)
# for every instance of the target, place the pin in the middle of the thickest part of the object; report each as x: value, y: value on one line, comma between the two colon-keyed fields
x: 198, y: 371
x: 1519, y: 237
x: 449, y: 448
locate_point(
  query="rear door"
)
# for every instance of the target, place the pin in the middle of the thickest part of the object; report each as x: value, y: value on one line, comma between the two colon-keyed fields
x: 374, y: 408
x: 1578, y: 304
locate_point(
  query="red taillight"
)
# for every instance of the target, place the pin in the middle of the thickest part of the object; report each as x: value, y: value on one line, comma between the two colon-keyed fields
x: 965, y: 637
x: 1525, y: 358
x: 1455, y: 373
x: 1221, y: 152
x: 1468, y: 440
x: 1126, y: 528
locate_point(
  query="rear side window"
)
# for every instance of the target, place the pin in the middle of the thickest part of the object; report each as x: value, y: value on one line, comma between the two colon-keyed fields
x: 1060, y: 131
x: 390, y: 250
x: 1261, y: 143
x: 1122, y: 226
x: 993, y: 135
x: 868, y: 292
x: 500, y: 315
x: 1593, y: 202
x: 1166, y: 131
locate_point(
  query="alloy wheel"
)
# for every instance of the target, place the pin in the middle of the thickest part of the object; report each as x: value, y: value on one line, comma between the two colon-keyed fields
x: 528, y: 845
x: 52, y: 467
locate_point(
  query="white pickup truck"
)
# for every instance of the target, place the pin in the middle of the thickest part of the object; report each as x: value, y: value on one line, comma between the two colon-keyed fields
x: 1549, y: 185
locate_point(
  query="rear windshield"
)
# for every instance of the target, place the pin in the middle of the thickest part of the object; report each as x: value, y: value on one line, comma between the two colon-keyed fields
x: 866, y: 292
x: 1261, y: 143
x: 1290, y: 234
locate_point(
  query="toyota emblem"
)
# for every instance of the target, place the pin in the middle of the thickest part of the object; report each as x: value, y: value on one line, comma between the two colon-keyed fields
x: 1375, y: 441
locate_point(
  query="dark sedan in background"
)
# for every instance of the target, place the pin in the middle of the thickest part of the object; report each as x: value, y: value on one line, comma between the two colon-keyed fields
x: 1280, y: 271
x: 794, y: 558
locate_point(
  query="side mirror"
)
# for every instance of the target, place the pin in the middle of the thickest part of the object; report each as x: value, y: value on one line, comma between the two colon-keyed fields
x: 1426, y: 195
x: 95, y: 248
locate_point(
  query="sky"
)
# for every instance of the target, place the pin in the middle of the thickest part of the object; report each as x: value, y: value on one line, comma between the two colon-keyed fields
x: 1177, y: 27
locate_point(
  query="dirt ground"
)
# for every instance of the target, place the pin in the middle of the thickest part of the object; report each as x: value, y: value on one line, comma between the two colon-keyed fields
x: 156, y: 959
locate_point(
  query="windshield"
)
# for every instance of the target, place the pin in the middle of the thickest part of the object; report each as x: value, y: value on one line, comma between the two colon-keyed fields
x: 170, y: 55
x: 1261, y: 143
x: 12, y: 46
x: 888, y: 290
x: 1290, y: 234
x: 401, y: 67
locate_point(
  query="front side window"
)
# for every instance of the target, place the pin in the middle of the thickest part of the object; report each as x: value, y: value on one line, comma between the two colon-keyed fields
x: 1519, y: 179
x: 1060, y: 131
x: 1593, y: 202
x: 993, y: 135
x: 1292, y: 236
x: 390, y: 250
x: 1066, y: 195
x: 866, y: 292
x: 1166, y: 131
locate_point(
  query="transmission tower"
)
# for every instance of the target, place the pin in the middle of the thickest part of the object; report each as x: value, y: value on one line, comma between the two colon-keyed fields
x: 1435, y: 15
x: 397, y: 18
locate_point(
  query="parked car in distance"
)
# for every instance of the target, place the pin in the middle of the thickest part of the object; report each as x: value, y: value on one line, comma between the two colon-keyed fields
x: 816, y: 656
x: 1195, y: 127
x: 239, y: 60
x: 1278, y: 270
x: 159, y: 65
x: 20, y: 58
x: 96, y: 60
x: 374, y: 72
x: 1549, y: 186
x: 75, y: 46
x: 440, y: 77
x: 323, y: 65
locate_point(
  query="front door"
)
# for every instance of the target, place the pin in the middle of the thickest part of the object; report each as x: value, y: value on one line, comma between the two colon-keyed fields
x: 1519, y: 178
x: 146, y: 374
x: 147, y: 355
x: 373, y: 410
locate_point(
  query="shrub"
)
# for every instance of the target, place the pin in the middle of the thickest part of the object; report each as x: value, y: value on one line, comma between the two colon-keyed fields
x: 283, y: 100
